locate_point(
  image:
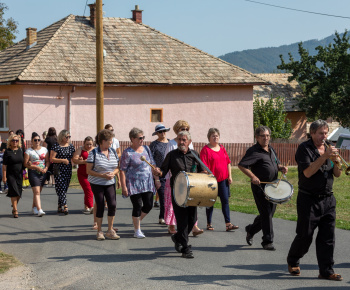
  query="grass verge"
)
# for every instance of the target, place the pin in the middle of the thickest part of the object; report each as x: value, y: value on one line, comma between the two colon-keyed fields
x: 7, y: 261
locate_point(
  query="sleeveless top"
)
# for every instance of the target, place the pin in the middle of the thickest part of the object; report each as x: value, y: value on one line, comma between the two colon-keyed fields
x: 82, y: 167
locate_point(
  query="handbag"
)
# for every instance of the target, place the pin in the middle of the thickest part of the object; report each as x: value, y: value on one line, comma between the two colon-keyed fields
x: 56, y: 169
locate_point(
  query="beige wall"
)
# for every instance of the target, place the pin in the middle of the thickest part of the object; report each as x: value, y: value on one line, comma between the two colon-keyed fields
x: 229, y: 108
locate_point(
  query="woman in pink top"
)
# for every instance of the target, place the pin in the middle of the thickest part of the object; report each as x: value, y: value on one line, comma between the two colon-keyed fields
x: 215, y: 157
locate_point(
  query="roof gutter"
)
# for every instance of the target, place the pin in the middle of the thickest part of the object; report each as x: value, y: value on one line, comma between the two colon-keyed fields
x: 137, y: 85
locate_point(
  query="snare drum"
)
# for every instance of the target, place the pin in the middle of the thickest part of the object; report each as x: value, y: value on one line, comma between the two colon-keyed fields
x: 279, y: 194
x: 195, y: 189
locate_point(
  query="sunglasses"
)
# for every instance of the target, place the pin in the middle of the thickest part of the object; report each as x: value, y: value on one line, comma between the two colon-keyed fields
x: 36, y: 140
x: 141, y: 138
x: 14, y: 140
x: 160, y: 132
x: 68, y: 137
x: 185, y: 129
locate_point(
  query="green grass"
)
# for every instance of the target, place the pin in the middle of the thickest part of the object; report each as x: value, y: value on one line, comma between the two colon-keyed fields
x: 7, y: 261
x: 242, y: 199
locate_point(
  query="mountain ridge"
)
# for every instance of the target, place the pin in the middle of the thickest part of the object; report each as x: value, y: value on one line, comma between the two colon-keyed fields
x: 266, y: 59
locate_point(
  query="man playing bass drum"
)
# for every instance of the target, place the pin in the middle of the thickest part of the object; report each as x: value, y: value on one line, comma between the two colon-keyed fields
x: 181, y: 159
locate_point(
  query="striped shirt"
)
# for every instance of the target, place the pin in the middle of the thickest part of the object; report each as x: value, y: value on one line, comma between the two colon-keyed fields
x: 102, y: 165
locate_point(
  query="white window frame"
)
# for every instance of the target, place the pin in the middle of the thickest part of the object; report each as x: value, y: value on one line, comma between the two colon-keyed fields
x: 4, y: 114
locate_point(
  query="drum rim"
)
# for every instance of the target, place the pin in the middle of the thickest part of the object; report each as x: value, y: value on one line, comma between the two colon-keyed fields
x: 188, y: 188
x: 279, y: 201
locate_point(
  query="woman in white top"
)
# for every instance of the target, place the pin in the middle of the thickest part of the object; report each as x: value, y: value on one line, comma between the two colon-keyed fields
x: 115, y: 143
x: 36, y: 159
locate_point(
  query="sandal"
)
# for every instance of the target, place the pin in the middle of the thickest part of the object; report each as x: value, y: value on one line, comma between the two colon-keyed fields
x: 210, y: 227
x: 171, y: 229
x: 334, y: 277
x: 59, y: 210
x: 65, y: 209
x: 231, y: 227
x: 15, y: 214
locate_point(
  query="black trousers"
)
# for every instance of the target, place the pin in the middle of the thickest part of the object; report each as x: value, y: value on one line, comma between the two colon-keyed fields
x: 186, y: 217
x: 264, y: 220
x: 312, y: 213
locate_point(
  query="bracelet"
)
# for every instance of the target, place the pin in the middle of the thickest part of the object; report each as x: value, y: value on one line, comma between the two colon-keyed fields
x: 157, y: 180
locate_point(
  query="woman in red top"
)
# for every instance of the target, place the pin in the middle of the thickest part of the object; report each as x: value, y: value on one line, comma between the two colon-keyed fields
x: 215, y: 157
x: 80, y: 157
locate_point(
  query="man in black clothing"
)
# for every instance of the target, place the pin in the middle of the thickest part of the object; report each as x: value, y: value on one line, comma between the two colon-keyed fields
x: 316, y: 203
x: 181, y: 159
x: 260, y: 163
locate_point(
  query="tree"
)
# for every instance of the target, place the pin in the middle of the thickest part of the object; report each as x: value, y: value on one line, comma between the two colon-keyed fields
x: 324, y: 79
x: 272, y: 114
x: 8, y: 28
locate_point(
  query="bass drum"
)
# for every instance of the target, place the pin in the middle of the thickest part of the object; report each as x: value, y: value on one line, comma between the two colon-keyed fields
x: 279, y: 194
x: 195, y: 189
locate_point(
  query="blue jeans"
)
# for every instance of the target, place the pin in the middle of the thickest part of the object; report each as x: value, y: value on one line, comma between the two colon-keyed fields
x: 224, y: 194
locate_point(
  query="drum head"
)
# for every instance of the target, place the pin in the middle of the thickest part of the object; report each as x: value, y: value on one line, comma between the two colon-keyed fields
x: 181, y: 188
x: 279, y: 194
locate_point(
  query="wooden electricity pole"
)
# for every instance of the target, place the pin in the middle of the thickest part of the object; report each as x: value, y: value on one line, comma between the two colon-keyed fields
x: 99, y: 67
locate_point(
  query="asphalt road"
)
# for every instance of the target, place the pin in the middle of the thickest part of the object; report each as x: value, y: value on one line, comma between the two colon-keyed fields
x: 62, y: 252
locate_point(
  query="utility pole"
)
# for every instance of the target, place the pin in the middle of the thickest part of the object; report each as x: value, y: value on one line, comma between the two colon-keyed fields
x: 99, y: 67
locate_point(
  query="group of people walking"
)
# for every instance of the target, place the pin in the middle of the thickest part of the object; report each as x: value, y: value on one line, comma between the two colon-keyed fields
x: 104, y: 168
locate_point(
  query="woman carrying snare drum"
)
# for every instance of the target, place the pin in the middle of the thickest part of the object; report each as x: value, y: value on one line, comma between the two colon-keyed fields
x: 215, y: 157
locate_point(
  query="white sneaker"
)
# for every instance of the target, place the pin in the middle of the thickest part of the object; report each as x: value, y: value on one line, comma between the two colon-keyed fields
x: 139, y: 235
x: 35, y: 210
x: 41, y: 212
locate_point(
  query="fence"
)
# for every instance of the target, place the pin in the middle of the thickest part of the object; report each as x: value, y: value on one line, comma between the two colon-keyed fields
x: 285, y: 151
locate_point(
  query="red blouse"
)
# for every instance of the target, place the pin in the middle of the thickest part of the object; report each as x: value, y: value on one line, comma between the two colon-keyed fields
x: 216, y: 161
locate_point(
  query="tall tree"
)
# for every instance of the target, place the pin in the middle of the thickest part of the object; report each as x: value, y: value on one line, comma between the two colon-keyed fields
x: 324, y: 79
x: 273, y: 115
x: 8, y: 28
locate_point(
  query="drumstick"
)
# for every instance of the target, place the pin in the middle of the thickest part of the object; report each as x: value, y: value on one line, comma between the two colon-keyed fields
x: 282, y: 175
x: 267, y: 182
x: 143, y: 158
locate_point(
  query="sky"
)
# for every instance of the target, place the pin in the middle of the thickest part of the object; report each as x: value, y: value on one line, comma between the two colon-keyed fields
x: 214, y: 26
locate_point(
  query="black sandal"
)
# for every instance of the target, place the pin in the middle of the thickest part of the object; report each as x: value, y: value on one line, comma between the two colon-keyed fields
x: 65, y: 209
x: 15, y: 214
x: 210, y: 227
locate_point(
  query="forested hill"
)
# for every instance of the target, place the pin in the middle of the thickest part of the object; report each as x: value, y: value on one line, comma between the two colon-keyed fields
x: 266, y: 60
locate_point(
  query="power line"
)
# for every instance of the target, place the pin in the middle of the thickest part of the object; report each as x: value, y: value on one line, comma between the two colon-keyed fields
x: 299, y: 10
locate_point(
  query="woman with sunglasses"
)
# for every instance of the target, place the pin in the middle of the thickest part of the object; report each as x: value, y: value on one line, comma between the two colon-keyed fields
x: 61, y: 155
x: 36, y: 159
x: 137, y: 179
x: 12, y: 170
x: 169, y: 215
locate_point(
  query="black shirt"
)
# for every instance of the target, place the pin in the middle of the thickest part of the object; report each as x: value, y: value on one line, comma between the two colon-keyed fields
x: 177, y: 161
x: 322, y: 181
x: 263, y: 164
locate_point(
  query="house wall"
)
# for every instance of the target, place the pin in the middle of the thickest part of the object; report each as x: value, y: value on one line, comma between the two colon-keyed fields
x: 299, y: 122
x: 15, y: 98
x: 230, y: 109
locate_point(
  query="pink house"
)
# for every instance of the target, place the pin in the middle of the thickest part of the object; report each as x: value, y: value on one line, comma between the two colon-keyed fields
x: 48, y: 79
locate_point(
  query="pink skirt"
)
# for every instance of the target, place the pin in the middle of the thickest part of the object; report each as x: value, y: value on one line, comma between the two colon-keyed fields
x: 169, y: 215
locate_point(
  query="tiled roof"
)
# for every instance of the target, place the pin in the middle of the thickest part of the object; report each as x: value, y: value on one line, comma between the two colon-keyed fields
x: 136, y: 54
x: 280, y: 87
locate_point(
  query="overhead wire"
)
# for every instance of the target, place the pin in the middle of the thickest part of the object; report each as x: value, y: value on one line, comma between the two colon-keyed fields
x: 298, y: 10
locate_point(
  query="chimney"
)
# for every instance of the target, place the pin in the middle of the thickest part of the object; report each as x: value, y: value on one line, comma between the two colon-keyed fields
x: 137, y: 14
x: 31, y: 37
x: 93, y: 14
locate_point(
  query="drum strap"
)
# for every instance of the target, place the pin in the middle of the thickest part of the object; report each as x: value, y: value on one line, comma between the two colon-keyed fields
x: 201, y: 162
